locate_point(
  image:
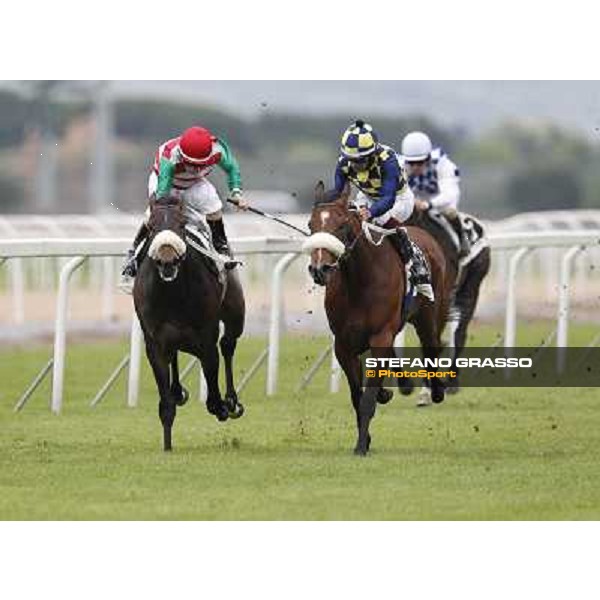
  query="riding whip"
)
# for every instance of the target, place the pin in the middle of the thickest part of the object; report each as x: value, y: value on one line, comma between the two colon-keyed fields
x: 257, y: 211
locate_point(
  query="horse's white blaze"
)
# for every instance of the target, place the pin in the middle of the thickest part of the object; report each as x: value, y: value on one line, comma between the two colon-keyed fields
x: 324, y: 241
x: 166, y: 238
x: 324, y: 217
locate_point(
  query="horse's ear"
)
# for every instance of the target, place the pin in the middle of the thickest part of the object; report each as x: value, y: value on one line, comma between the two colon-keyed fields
x: 320, y: 192
x: 345, y: 195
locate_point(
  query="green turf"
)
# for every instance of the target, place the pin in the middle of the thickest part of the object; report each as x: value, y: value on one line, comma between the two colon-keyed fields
x: 484, y: 454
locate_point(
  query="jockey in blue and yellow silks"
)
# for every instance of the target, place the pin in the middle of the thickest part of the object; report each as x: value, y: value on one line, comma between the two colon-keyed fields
x: 384, y: 195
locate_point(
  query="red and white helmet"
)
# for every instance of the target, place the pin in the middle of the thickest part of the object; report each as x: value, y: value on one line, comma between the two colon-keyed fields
x: 197, y: 146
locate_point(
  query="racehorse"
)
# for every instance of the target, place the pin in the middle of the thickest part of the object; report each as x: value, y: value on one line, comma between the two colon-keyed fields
x: 467, y: 274
x: 180, y: 300
x: 365, y: 289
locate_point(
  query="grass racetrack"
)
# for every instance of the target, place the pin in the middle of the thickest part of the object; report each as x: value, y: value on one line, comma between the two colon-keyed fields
x: 483, y: 454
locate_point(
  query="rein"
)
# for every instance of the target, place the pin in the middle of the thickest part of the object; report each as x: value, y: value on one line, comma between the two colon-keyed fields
x: 348, y: 248
x: 366, y: 230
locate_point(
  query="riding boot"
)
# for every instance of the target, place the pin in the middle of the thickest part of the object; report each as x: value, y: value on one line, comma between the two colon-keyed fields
x: 465, y: 244
x: 130, y: 266
x: 411, y: 254
x: 219, y: 239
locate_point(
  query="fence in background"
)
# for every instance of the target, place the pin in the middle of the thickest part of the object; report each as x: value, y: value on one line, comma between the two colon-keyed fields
x: 75, y: 251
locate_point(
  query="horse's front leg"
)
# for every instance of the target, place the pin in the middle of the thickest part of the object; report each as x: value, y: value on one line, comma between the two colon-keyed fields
x: 228, y: 344
x: 210, y: 366
x: 178, y: 392
x: 431, y: 346
x: 465, y: 304
x: 381, y: 347
x: 166, y: 407
x: 233, y: 314
x: 350, y: 364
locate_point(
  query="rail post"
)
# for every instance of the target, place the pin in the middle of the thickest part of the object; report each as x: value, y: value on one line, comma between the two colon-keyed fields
x: 562, y: 325
x: 135, y: 362
x: 510, y: 326
x: 275, y: 320
x: 62, y: 305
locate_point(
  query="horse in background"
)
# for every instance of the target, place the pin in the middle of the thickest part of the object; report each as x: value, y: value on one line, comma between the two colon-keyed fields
x: 467, y: 275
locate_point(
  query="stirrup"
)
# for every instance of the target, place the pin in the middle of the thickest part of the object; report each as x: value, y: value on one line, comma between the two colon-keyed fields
x: 426, y: 290
x: 126, y: 284
x: 228, y: 261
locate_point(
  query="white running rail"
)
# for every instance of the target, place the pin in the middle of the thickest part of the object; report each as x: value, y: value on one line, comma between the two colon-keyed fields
x: 520, y: 244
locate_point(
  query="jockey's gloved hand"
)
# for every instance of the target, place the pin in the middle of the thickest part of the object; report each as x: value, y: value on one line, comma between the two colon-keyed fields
x: 239, y: 200
x: 365, y: 213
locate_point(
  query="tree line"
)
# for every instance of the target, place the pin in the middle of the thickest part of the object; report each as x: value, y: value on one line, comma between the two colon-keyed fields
x: 512, y: 168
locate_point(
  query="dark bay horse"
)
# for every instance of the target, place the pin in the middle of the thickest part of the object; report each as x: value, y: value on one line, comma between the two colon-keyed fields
x: 365, y: 288
x: 467, y: 275
x: 180, y: 301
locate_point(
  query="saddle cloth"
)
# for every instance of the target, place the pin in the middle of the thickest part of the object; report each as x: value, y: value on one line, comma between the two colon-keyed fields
x: 473, y: 229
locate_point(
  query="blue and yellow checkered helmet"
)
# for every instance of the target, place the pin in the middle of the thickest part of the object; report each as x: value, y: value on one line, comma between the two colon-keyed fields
x: 358, y: 141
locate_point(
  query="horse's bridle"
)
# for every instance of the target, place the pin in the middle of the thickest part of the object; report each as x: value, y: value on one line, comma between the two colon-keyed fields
x: 348, y: 247
x: 152, y: 232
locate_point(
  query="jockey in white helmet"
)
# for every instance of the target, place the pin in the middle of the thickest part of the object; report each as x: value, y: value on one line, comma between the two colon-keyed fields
x: 434, y: 180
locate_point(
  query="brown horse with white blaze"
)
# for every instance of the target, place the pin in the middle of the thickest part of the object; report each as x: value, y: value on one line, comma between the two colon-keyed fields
x: 365, y: 290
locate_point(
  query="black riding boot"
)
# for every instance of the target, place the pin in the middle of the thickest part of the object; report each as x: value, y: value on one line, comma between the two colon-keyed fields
x: 419, y: 272
x: 130, y: 266
x: 465, y: 244
x: 219, y: 239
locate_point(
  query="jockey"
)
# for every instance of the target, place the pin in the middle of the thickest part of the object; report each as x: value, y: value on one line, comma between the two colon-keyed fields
x: 384, y: 196
x: 434, y: 180
x: 181, y: 166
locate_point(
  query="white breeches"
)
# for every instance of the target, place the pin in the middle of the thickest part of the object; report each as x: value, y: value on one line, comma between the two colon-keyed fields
x: 201, y: 199
x: 401, y: 211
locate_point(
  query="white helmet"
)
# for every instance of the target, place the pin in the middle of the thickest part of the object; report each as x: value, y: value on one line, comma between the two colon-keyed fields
x: 416, y: 146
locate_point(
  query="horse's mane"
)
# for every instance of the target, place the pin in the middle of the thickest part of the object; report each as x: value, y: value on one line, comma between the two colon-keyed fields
x: 166, y: 201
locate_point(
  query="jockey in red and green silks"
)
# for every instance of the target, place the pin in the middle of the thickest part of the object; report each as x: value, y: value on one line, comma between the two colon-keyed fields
x: 181, y: 167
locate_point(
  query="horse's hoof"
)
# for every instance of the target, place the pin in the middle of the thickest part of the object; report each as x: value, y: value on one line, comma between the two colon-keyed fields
x: 363, y: 449
x: 384, y: 396
x: 222, y: 415
x: 406, y: 388
x: 237, y: 411
x: 438, y: 397
x: 220, y: 411
x: 234, y: 406
x: 424, y: 400
x: 183, y: 398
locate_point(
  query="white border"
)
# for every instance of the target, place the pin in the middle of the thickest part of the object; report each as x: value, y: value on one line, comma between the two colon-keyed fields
x: 308, y: 40
x: 298, y: 560
x: 458, y: 39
